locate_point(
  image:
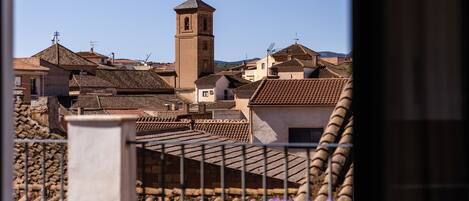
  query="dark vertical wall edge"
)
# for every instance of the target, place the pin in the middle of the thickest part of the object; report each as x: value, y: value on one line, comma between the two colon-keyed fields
x: 6, y: 135
x: 367, y: 49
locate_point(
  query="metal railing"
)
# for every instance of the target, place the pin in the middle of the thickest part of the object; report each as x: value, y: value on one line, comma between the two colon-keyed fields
x: 206, y: 151
x: 41, y: 145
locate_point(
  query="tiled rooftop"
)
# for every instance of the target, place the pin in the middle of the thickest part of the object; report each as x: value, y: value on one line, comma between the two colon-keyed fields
x: 60, y: 55
x: 231, y: 129
x: 27, y: 128
x: 324, y: 92
x: 193, y: 4
x: 29, y: 64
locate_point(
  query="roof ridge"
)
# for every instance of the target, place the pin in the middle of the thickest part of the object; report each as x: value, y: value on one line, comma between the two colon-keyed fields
x: 256, y: 92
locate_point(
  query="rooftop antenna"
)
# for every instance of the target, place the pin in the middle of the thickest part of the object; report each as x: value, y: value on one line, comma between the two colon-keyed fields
x: 93, y: 44
x: 270, y: 50
x: 55, y: 38
x: 296, y: 39
x: 147, y: 56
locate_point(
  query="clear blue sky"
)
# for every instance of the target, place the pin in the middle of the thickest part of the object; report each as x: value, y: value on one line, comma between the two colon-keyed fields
x: 132, y: 29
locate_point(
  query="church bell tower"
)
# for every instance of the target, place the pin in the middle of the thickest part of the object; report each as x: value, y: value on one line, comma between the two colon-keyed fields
x: 194, y: 42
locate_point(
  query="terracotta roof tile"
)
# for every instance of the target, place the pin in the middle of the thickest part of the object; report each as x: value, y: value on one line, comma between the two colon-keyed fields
x: 27, y: 128
x: 298, y: 92
x: 134, y: 80
x: 219, y: 105
x: 295, y: 49
x: 211, y: 80
x: 149, y: 102
x: 89, y: 81
x: 193, y: 4
x: 61, y: 56
x: 246, y: 91
x: 145, y: 124
x: 29, y: 64
x: 231, y: 129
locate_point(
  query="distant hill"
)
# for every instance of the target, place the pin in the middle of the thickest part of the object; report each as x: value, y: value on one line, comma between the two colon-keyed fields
x: 220, y: 65
x: 331, y: 54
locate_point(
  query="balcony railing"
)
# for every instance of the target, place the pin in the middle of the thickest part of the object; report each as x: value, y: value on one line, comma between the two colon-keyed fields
x: 271, y: 162
x: 36, y: 156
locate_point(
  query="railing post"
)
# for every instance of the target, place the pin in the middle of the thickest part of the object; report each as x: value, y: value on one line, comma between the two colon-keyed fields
x: 101, y: 164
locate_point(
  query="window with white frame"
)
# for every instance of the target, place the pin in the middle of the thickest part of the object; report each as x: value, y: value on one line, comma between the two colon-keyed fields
x: 204, y: 93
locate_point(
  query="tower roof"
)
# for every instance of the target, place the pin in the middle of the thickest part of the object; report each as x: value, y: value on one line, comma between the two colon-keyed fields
x: 193, y: 4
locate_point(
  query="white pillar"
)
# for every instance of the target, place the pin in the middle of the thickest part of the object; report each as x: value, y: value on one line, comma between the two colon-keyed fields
x: 101, y: 164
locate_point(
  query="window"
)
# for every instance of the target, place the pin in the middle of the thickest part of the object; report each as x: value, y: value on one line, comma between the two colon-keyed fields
x: 204, y: 93
x: 304, y: 135
x: 205, y: 24
x: 17, y: 81
x: 34, y: 86
x: 187, y: 24
x: 211, y: 92
x: 263, y: 66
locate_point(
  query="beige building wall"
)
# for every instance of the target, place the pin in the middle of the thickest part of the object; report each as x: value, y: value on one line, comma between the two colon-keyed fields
x: 290, y: 75
x: 250, y: 74
x: 261, y: 73
x: 242, y: 105
x: 270, y: 124
x: 334, y: 60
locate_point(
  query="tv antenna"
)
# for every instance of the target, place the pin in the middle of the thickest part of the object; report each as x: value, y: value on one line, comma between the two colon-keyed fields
x: 93, y: 44
x: 147, y: 56
x: 270, y: 50
x: 55, y: 38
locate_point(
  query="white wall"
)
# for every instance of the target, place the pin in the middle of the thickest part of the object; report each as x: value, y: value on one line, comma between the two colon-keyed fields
x: 261, y: 73
x: 209, y: 98
x: 218, y: 91
x: 270, y: 123
x: 221, y: 85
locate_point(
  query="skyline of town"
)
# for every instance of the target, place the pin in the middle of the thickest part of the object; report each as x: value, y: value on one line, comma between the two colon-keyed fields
x: 232, y: 43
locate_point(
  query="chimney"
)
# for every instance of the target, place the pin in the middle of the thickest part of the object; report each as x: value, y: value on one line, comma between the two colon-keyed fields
x: 113, y: 56
x: 202, y: 108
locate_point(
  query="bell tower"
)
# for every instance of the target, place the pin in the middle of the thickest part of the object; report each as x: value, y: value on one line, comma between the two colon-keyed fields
x: 194, y: 42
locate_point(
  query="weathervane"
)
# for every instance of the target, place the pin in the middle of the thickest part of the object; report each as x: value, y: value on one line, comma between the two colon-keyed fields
x: 55, y: 39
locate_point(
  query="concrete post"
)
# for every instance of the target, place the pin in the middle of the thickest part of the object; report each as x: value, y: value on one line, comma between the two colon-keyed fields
x: 101, y: 164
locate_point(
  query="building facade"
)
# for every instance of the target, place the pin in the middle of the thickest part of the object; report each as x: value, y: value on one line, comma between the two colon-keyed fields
x: 194, y: 42
x: 293, y: 111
